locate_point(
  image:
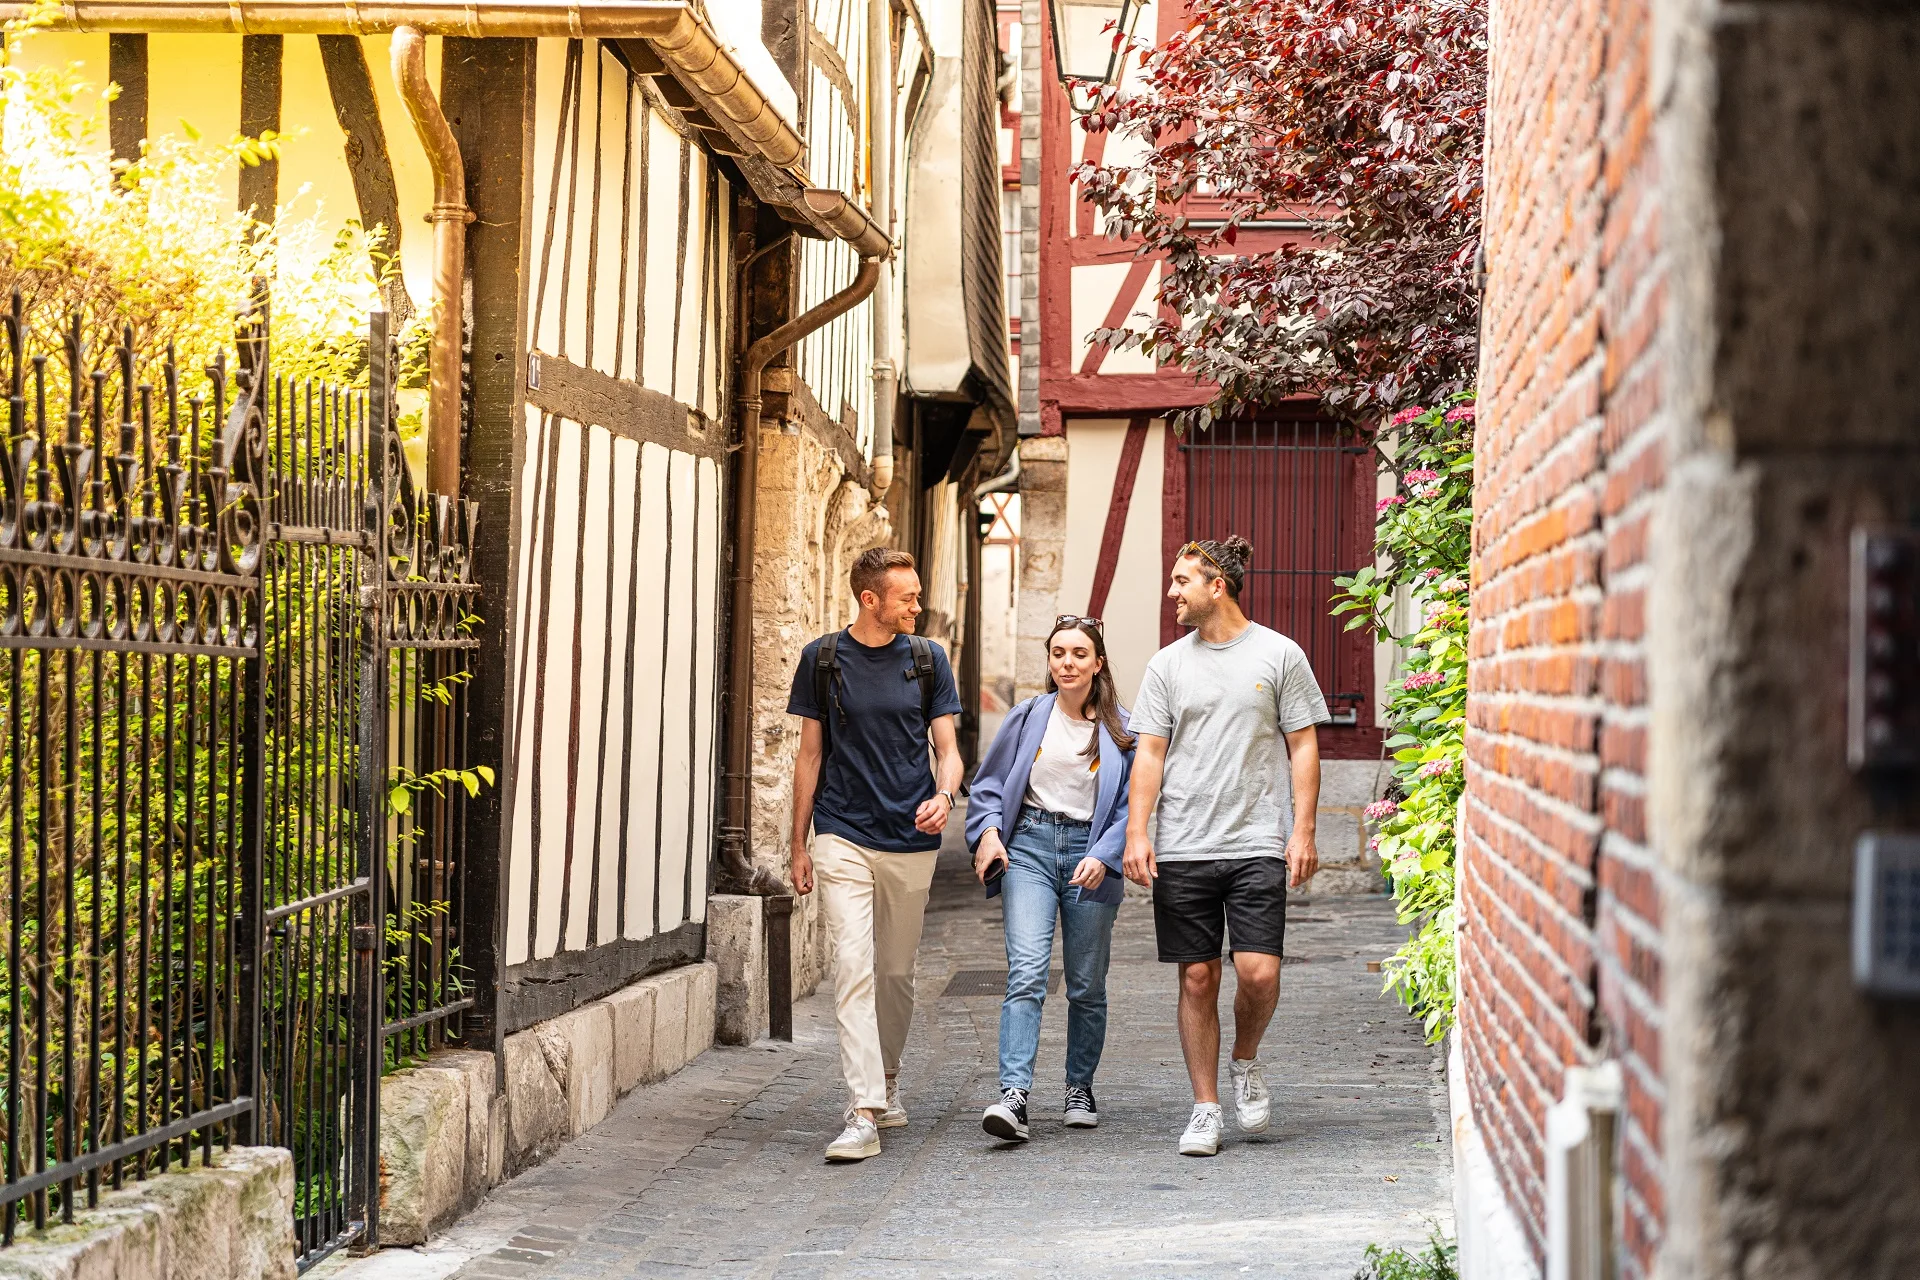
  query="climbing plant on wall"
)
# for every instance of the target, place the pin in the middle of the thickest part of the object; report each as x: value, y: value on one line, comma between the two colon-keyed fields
x: 1416, y: 595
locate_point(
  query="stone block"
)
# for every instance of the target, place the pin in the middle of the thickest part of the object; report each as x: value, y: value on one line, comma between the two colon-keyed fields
x: 232, y: 1221
x: 632, y: 1009
x: 1351, y: 784
x: 423, y: 1151
x: 702, y: 989
x: 478, y: 1068
x: 126, y: 1236
x: 198, y: 1214
x: 579, y: 1049
x: 1340, y: 836
x: 669, y: 1023
x: 737, y: 947
x: 263, y: 1237
x: 536, y: 1103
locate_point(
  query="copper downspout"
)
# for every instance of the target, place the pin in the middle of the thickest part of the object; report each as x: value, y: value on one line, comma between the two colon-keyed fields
x: 450, y: 217
x: 736, y: 859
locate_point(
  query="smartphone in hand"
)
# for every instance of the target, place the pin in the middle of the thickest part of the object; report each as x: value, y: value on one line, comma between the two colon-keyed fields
x: 994, y: 872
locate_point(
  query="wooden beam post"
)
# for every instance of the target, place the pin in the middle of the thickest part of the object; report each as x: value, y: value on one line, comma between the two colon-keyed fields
x: 487, y: 93
x: 260, y: 113
x: 350, y: 85
x: 127, y: 114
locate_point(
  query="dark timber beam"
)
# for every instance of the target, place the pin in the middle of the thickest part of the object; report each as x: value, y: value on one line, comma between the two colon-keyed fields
x: 487, y: 93
x: 260, y: 114
x: 127, y: 113
x: 350, y: 84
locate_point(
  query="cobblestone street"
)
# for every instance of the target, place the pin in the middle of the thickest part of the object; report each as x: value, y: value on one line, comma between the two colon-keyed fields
x: 718, y: 1170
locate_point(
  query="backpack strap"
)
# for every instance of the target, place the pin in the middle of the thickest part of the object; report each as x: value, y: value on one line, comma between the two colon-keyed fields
x: 923, y: 671
x: 826, y: 692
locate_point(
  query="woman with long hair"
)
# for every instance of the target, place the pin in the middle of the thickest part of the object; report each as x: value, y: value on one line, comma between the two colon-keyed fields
x: 1047, y: 824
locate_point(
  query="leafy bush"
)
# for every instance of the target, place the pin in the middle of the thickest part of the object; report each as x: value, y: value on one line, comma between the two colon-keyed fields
x: 1424, y: 537
x: 156, y: 244
x: 1440, y: 1260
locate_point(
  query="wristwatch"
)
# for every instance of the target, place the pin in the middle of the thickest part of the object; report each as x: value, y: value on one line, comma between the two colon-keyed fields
x: 951, y: 802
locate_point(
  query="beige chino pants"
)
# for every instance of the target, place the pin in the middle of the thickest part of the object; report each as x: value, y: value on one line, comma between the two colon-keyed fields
x: 875, y: 903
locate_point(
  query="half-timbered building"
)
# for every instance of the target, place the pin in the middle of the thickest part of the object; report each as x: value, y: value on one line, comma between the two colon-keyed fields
x: 723, y: 309
x: 1109, y: 492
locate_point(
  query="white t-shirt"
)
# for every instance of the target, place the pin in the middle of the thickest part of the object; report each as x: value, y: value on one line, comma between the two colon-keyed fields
x: 1063, y: 780
x: 1224, y: 708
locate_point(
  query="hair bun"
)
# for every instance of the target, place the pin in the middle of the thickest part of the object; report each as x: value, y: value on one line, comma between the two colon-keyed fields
x: 1238, y: 547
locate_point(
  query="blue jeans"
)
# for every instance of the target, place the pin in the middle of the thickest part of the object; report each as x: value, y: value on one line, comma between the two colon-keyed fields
x: 1041, y: 856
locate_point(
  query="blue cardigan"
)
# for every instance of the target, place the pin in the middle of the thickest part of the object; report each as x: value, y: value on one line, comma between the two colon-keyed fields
x: 1000, y: 788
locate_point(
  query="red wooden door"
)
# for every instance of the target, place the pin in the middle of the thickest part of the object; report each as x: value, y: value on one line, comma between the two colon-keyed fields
x: 1301, y: 490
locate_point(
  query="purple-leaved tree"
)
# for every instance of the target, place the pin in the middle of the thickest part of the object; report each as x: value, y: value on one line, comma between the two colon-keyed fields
x: 1363, y: 117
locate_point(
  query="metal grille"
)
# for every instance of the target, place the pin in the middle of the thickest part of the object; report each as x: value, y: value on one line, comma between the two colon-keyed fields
x: 1300, y: 491
x: 130, y: 541
x: 234, y: 642
x: 966, y: 984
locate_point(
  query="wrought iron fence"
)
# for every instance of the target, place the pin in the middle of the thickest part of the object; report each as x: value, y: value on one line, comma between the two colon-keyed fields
x: 234, y: 643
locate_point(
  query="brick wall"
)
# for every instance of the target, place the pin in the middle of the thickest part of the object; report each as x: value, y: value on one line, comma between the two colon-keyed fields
x: 1560, y: 950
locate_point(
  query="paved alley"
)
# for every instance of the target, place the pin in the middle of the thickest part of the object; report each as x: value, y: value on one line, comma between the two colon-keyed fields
x: 718, y: 1171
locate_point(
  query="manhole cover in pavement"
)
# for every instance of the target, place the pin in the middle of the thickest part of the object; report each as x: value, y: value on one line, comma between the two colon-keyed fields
x: 966, y: 983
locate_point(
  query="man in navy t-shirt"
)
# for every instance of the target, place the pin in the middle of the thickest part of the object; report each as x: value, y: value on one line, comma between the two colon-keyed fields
x: 876, y: 808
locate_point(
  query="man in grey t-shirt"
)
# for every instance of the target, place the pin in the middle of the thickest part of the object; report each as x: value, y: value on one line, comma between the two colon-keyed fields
x: 1228, y: 752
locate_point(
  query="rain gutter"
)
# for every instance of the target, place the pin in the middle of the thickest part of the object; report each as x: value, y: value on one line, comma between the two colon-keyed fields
x: 851, y: 224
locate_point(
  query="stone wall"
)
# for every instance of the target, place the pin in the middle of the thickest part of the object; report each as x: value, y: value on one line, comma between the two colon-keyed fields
x: 813, y: 520
x: 448, y: 1134
x: 1703, y: 300
x: 230, y: 1221
x: 1790, y: 141
x: 1043, y: 545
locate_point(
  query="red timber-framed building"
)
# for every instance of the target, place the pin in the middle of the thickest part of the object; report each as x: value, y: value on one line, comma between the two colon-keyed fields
x: 1110, y: 491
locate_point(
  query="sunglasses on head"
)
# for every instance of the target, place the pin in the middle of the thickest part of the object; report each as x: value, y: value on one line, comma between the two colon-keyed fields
x: 1075, y: 620
x: 1195, y: 549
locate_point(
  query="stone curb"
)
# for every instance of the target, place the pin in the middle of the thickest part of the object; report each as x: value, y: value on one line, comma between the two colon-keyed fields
x: 446, y: 1138
x: 232, y: 1220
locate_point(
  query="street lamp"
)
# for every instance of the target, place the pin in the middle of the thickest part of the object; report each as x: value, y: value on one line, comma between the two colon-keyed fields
x: 1089, y: 42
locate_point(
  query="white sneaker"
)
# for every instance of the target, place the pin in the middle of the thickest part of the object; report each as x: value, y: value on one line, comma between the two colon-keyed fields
x: 1250, y: 1097
x: 895, y: 1116
x: 1202, y: 1137
x: 857, y: 1141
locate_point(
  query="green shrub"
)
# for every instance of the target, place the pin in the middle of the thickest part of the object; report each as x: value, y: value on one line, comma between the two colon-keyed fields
x: 1423, y: 537
x: 156, y: 244
x: 1439, y: 1260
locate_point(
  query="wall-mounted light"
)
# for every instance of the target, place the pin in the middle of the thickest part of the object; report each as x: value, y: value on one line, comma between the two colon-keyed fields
x: 1089, y: 44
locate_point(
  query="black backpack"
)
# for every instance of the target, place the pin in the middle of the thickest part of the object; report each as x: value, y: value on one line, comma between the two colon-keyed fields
x: 826, y: 692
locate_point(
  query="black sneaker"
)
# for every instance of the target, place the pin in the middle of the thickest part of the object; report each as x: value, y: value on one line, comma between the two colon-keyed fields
x: 1007, y: 1118
x: 1082, y: 1111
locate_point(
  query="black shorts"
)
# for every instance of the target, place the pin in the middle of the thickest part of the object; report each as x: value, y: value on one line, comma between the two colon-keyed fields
x: 1191, y: 900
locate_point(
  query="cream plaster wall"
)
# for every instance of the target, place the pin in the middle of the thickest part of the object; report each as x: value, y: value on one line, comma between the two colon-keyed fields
x: 1094, y: 287
x: 1131, y: 613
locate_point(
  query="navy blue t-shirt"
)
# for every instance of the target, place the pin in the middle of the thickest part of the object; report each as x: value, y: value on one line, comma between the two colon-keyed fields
x: 876, y: 774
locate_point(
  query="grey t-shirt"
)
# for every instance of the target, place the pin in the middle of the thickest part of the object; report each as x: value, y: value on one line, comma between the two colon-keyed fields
x: 1227, y: 791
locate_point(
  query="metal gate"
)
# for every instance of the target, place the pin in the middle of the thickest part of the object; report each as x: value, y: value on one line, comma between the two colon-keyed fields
x: 1301, y: 491
x: 234, y: 640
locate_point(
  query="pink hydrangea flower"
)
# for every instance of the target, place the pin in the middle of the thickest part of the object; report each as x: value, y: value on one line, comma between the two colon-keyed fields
x: 1422, y: 476
x: 1374, y: 844
x: 1431, y: 574
x: 1436, y: 768
x: 1421, y: 680
x: 1461, y: 413
x: 1381, y: 809
x: 1405, y: 416
x: 1395, y: 501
